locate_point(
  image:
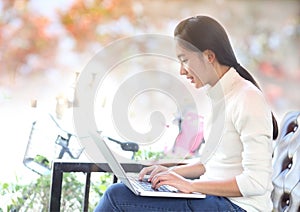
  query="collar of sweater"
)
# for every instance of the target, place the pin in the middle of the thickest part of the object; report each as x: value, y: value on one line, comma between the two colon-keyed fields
x: 223, y: 86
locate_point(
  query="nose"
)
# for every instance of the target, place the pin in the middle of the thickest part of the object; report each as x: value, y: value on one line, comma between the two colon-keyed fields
x: 183, y: 71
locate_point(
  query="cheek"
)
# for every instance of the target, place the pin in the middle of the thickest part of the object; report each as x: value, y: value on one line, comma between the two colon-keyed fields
x: 191, y: 67
x: 196, y: 64
x: 196, y: 69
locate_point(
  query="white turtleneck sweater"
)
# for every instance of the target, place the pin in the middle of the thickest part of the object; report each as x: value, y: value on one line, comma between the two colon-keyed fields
x: 239, y: 132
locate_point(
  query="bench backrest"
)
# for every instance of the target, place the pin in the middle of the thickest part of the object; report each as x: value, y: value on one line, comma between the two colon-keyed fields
x: 286, y: 165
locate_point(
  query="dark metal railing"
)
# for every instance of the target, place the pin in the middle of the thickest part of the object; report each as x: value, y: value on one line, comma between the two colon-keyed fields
x: 60, y: 167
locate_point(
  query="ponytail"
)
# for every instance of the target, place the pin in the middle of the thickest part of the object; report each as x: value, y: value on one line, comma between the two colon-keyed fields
x: 246, y: 75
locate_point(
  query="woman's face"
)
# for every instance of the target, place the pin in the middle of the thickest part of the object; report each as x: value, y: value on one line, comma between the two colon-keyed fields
x: 194, y: 66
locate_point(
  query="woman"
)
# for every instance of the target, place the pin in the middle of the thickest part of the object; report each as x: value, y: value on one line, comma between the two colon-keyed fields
x: 237, y: 177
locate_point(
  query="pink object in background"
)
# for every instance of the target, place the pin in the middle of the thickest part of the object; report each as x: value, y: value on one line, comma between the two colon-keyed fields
x: 190, y: 136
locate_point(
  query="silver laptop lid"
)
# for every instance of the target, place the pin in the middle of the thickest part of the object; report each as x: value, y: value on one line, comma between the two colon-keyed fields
x: 112, y: 161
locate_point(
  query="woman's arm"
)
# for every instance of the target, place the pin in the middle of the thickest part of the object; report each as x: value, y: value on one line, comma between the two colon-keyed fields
x: 228, y: 188
x: 192, y: 171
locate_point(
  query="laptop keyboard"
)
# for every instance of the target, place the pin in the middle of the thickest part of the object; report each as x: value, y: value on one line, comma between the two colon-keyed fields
x: 146, y: 186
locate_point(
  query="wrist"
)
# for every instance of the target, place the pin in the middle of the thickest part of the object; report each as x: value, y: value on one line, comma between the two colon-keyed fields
x: 192, y: 188
x: 172, y: 169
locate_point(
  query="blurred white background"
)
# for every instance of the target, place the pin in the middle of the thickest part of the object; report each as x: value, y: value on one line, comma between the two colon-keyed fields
x: 43, y: 44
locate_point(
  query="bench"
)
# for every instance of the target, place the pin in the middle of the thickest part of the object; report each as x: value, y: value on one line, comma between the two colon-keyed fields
x: 286, y: 165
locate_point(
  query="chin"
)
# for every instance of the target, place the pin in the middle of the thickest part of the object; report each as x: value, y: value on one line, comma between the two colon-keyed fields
x: 198, y: 86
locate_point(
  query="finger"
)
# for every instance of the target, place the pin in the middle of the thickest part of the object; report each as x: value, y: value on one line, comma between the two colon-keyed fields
x: 158, y: 179
x: 154, y: 172
x: 152, y: 175
x: 160, y: 183
x: 145, y: 171
x: 155, y: 181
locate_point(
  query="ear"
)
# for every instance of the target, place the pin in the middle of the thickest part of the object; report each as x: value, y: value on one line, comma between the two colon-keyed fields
x: 209, y: 55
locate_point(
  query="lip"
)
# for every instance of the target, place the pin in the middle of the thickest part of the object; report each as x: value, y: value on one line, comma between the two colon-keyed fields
x: 191, y: 78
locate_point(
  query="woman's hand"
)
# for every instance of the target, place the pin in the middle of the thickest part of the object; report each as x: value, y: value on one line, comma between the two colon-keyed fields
x: 171, y: 178
x: 152, y: 171
x: 161, y: 175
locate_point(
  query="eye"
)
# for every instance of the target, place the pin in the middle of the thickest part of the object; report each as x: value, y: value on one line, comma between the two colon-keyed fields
x: 184, y: 61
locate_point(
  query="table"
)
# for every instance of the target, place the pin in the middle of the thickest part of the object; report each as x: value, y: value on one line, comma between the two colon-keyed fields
x: 60, y: 167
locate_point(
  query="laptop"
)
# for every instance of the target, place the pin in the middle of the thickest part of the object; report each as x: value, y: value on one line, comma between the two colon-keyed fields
x: 140, y: 188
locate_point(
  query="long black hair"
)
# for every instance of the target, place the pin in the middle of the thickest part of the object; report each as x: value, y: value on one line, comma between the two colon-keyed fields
x: 205, y: 33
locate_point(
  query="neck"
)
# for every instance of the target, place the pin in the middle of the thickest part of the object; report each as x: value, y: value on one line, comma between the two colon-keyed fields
x: 220, y: 71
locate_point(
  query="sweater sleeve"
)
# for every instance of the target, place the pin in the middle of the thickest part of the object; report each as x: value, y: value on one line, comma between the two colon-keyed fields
x: 252, y: 119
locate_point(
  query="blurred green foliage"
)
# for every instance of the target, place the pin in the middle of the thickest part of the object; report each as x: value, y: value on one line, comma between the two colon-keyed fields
x: 35, y: 195
x: 147, y: 155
